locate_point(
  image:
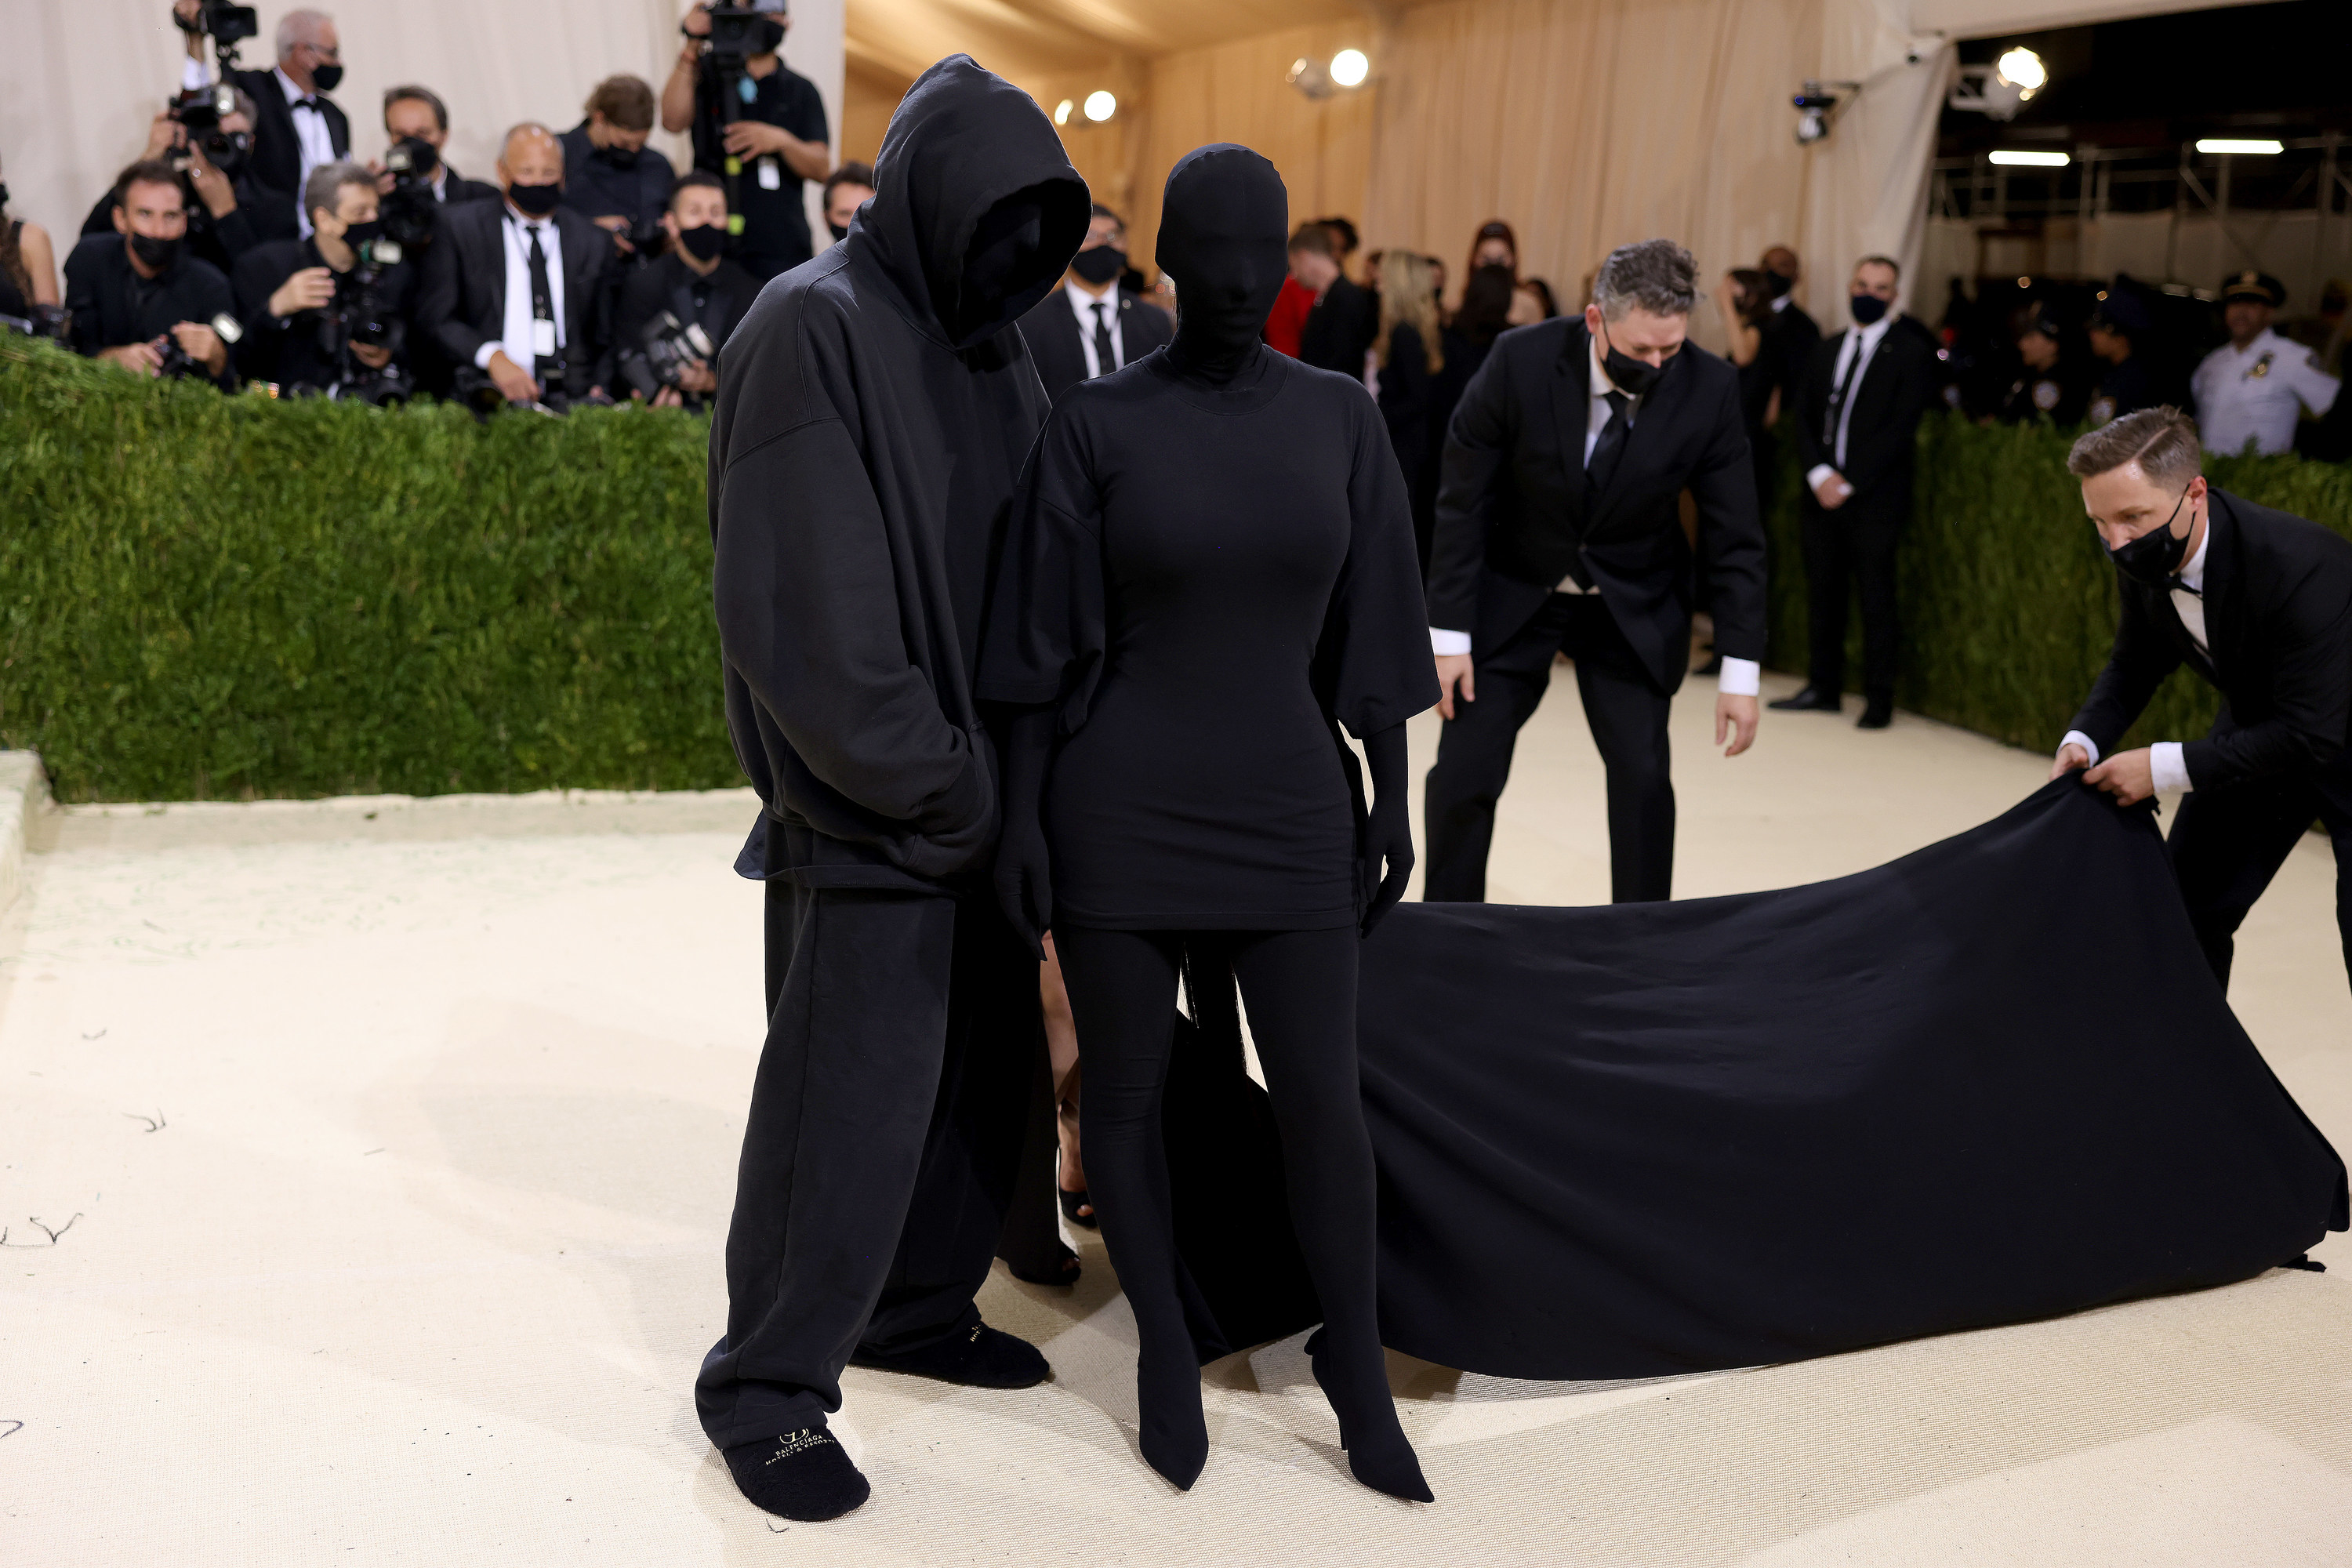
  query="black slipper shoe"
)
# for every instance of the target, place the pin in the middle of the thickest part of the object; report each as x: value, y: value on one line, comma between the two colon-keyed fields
x: 1072, y: 1202
x: 804, y: 1476
x: 980, y: 1357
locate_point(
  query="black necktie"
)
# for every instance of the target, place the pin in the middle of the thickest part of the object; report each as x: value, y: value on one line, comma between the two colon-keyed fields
x: 1837, y: 402
x: 1601, y: 466
x: 542, y: 298
x: 1104, y: 362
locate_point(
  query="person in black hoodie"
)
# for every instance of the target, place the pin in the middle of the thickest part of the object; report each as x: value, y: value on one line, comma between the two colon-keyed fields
x: 1209, y: 569
x: 874, y: 409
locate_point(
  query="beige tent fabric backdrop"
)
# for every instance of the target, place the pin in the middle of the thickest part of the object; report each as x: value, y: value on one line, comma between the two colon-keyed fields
x: 82, y: 80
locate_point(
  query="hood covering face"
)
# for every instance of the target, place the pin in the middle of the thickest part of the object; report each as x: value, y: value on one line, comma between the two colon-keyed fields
x: 1225, y: 227
x: 976, y: 209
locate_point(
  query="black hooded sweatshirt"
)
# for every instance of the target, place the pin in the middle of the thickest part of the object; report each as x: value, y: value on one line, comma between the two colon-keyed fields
x: 874, y: 409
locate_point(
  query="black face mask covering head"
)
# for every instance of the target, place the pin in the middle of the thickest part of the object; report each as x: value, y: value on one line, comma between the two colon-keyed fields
x: 2154, y: 556
x: 1636, y: 377
x: 1225, y: 228
x: 1100, y: 265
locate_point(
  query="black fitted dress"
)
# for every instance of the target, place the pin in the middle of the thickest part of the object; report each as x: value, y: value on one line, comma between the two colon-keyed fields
x: 1201, y: 579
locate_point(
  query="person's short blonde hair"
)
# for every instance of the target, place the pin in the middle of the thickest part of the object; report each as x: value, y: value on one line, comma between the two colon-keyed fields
x: 2162, y: 441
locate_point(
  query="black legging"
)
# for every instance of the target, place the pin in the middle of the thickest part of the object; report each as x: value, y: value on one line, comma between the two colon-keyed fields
x: 1299, y: 987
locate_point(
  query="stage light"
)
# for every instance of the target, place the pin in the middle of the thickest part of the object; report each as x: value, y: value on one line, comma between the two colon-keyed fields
x: 2257, y: 146
x: 1349, y: 68
x: 2022, y: 69
x: 1814, y: 107
x: 1062, y: 111
x: 1100, y: 106
x: 2012, y: 156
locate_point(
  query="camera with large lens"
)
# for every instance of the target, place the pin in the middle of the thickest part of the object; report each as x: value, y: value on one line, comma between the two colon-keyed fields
x: 177, y: 361
x: 736, y: 32
x: 357, y: 317
x: 227, y: 25
x: 45, y: 321
x: 667, y: 347
x: 409, y: 209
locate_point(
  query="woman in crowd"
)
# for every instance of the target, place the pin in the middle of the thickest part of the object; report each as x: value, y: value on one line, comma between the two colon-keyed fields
x: 1477, y: 321
x: 28, y: 266
x: 1495, y: 246
x: 1208, y: 570
x: 1531, y: 301
x: 1410, y: 352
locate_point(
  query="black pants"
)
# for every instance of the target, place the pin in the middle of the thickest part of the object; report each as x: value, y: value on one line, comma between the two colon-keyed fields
x: 1855, y: 545
x: 1627, y: 714
x: 879, y: 1156
x: 2227, y: 844
x: 1300, y: 988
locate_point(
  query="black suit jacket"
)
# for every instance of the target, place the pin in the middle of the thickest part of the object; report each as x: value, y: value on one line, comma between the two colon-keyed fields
x: 1338, y: 332
x: 1051, y: 334
x: 277, y: 170
x: 1889, y: 394
x: 462, y: 303
x: 2278, y: 616
x: 109, y: 305
x: 1511, y: 505
x: 1789, y: 338
x: 456, y: 188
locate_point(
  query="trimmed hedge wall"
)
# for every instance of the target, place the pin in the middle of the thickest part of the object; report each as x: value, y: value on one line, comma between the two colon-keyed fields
x: 207, y: 597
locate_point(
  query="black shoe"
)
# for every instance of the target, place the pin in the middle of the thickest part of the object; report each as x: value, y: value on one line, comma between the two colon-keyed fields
x: 804, y: 1476
x: 1876, y: 716
x: 1812, y: 699
x: 1174, y: 1435
x: 1072, y: 1202
x: 1379, y: 1455
x: 978, y: 1357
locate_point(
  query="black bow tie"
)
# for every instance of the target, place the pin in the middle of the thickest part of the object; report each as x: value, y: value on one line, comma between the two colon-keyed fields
x: 309, y: 103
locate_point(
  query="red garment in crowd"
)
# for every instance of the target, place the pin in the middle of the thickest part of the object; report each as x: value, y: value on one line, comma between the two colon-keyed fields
x: 1288, y: 318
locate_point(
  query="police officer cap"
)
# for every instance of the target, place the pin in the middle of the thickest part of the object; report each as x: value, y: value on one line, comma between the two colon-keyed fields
x: 2122, y: 312
x: 2259, y: 287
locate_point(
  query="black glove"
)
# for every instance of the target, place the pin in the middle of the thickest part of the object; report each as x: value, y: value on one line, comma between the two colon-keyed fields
x: 1025, y: 879
x: 1388, y: 831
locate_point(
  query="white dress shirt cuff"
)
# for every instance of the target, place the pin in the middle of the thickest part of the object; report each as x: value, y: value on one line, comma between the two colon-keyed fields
x: 2165, y: 764
x: 193, y: 74
x: 2076, y: 738
x: 1445, y: 643
x: 1816, y: 474
x: 482, y: 355
x: 1740, y: 677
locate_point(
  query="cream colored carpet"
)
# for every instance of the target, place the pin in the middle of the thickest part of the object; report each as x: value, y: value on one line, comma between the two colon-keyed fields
x: 396, y: 1142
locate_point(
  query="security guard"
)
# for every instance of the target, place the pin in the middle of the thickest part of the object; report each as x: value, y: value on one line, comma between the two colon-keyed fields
x: 2248, y: 390
x: 2126, y: 383
x: 2048, y: 385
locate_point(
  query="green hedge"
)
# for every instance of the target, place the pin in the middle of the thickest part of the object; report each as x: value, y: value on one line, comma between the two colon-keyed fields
x: 209, y: 598
x: 2008, y: 604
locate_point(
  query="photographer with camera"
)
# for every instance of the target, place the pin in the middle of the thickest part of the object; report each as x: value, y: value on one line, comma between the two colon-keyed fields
x: 137, y: 298
x: 28, y: 276
x: 297, y: 126
x: 756, y: 123
x: 678, y: 310
x: 212, y: 151
x: 517, y: 293
x: 610, y: 176
x: 323, y: 314
x: 413, y: 114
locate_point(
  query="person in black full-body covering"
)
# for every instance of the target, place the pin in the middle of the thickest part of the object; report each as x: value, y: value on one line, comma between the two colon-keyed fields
x: 873, y: 413
x: 1209, y: 569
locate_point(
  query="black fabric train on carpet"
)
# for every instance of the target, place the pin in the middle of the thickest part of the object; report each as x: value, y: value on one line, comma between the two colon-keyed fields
x: 1990, y: 1082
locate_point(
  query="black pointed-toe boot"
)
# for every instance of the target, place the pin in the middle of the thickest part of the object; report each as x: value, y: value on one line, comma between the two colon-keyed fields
x: 1379, y: 1455
x: 1175, y: 1433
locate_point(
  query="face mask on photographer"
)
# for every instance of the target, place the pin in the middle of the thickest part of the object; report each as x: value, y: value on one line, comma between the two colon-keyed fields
x: 157, y: 255
x: 619, y: 157
x: 1100, y: 265
x: 535, y: 201
x: 1636, y: 377
x: 327, y: 77
x: 767, y: 38
x: 703, y: 241
x: 1867, y: 309
x: 359, y: 235
x: 2155, y: 555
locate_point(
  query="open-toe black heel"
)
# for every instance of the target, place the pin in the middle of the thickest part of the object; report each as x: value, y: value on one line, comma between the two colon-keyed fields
x: 1379, y: 1455
x: 1072, y: 1202
x: 1063, y: 1269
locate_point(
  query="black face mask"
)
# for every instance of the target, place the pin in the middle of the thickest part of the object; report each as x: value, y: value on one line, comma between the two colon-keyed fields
x: 1636, y: 377
x: 622, y: 158
x: 326, y: 79
x: 1777, y: 283
x: 156, y: 255
x: 840, y: 230
x: 1225, y: 228
x: 1100, y: 265
x: 768, y: 37
x: 1865, y: 308
x: 535, y: 201
x: 703, y: 241
x: 2155, y: 555
x: 359, y: 234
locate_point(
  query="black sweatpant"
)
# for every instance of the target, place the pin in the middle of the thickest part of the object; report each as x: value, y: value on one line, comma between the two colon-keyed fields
x: 1627, y: 714
x: 1855, y: 545
x: 2228, y: 842
x: 879, y: 1154
x: 1299, y: 990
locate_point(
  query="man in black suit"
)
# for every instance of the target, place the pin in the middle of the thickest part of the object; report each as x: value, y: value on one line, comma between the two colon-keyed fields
x: 520, y: 290
x: 1091, y: 326
x: 1857, y: 418
x: 695, y: 282
x: 2259, y: 605
x: 1560, y: 531
x: 298, y: 126
x: 416, y: 113
x: 1345, y: 320
x: 132, y: 295
x: 1789, y: 334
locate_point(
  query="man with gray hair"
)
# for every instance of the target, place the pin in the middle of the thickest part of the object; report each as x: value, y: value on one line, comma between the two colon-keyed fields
x: 299, y: 128
x: 1560, y: 531
x: 2259, y: 603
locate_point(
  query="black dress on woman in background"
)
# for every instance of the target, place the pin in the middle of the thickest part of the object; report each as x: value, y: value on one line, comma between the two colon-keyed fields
x: 1210, y: 569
